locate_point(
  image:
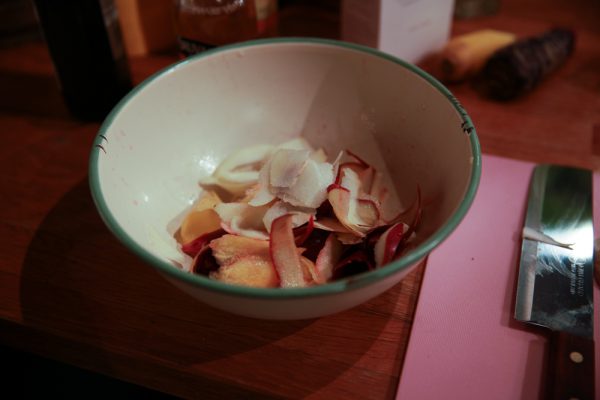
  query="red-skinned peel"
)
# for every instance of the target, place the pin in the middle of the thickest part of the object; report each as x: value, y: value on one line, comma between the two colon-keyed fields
x: 336, y: 186
x: 357, y: 257
x: 391, y: 242
x: 354, y: 166
x: 358, y: 215
x: 193, y: 248
x: 301, y: 233
x: 340, y: 199
x: 387, y: 245
x: 358, y: 159
x: 204, y: 262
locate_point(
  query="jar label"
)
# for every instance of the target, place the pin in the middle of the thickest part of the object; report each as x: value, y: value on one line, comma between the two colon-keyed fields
x: 190, y: 47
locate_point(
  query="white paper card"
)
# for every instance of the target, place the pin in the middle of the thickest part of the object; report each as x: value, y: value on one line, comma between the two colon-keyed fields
x: 408, y: 29
x: 411, y: 29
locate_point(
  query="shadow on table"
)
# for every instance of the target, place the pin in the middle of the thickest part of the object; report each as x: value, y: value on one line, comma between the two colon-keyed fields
x: 31, y: 94
x: 54, y: 379
x: 125, y: 320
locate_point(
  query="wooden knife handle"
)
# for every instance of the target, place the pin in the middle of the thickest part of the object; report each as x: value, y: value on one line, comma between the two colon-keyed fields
x: 571, y: 367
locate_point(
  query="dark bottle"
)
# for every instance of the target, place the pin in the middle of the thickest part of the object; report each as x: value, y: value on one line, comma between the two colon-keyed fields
x: 84, y: 41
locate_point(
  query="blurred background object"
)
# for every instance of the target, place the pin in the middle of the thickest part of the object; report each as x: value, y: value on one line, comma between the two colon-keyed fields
x: 266, y: 17
x: 147, y: 26
x: 475, y: 8
x: 84, y: 41
x: 408, y: 29
x: 204, y: 24
x: 18, y: 23
x: 516, y: 69
x: 465, y: 55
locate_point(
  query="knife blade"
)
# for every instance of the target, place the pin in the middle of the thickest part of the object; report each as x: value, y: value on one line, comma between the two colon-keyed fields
x: 555, y: 283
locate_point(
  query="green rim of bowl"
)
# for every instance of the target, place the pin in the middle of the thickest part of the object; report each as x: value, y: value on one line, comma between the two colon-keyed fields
x: 347, y: 284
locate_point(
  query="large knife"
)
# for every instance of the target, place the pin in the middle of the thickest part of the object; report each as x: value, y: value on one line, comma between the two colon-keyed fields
x: 555, y: 285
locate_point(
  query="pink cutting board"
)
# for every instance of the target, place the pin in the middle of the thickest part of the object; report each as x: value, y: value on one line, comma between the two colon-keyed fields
x: 464, y: 342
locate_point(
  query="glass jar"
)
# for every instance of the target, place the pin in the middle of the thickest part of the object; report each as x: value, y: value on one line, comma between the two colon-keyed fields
x: 204, y: 24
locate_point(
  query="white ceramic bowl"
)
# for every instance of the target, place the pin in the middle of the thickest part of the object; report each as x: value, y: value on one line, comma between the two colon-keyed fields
x: 175, y: 127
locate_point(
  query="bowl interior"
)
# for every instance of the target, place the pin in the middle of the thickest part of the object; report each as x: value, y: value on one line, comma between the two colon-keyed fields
x: 175, y: 128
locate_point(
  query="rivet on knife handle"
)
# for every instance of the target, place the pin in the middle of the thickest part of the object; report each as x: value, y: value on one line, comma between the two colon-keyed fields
x: 571, y: 367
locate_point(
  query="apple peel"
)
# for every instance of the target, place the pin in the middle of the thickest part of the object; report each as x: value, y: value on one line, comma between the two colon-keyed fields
x: 327, y: 259
x: 301, y: 215
x: 237, y: 172
x: 243, y: 219
x: 193, y: 248
x: 388, y: 244
x: 302, y: 233
x: 331, y: 225
x: 286, y: 166
x: 357, y: 257
x: 358, y: 216
x: 204, y: 263
x: 284, y: 253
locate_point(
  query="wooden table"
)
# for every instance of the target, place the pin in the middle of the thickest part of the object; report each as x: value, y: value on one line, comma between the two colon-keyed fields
x: 71, y: 292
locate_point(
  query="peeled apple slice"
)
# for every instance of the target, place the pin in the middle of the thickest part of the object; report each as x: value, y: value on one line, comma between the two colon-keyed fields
x: 263, y: 194
x: 297, y: 143
x: 368, y: 212
x: 340, y: 199
x: 319, y: 156
x: 310, y: 189
x: 286, y: 166
x: 201, y: 219
x: 331, y: 225
x: 359, y: 216
x: 293, y: 176
x: 350, y: 180
x: 243, y: 219
x: 228, y: 248
x: 252, y: 271
x: 300, y: 215
x: 238, y: 171
x: 327, y: 259
x: 284, y: 253
x: 300, y: 177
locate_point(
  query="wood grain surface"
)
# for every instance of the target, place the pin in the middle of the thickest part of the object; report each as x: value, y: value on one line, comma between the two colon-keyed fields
x: 70, y: 291
x: 558, y: 121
